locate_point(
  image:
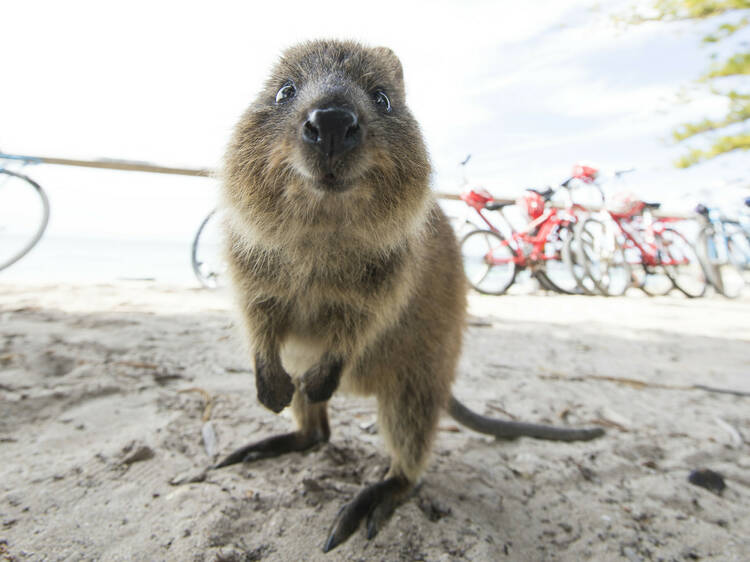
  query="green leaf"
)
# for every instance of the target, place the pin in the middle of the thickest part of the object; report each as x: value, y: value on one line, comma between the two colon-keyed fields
x: 737, y: 65
x: 739, y: 112
x: 722, y: 145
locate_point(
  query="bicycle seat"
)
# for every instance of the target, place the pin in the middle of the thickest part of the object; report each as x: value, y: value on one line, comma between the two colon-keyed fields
x: 546, y: 194
x: 651, y: 205
x: 495, y: 205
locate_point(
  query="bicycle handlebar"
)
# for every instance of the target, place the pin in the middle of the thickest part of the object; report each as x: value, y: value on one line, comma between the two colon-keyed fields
x: 25, y: 159
x: 619, y: 173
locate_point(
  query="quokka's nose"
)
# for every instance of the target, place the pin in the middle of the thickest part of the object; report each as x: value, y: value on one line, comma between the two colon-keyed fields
x: 332, y: 131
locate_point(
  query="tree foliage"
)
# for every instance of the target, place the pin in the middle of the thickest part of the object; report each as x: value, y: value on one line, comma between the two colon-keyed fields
x: 696, y: 9
x: 732, y: 131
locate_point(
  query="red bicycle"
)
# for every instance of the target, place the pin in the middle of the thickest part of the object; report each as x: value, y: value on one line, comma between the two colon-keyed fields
x: 491, y: 261
x: 641, y: 250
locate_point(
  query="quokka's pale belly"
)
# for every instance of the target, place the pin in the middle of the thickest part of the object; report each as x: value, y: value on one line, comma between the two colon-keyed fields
x: 299, y: 354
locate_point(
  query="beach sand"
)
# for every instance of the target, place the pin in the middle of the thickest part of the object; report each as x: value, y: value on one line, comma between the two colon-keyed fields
x: 113, y: 396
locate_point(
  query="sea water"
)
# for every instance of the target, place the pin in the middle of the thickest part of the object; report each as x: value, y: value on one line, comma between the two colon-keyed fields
x: 101, y: 260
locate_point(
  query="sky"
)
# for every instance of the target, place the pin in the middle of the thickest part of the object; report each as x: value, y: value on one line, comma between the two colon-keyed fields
x: 527, y: 88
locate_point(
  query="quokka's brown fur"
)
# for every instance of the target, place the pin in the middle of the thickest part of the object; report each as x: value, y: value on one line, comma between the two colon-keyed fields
x: 353, y: 282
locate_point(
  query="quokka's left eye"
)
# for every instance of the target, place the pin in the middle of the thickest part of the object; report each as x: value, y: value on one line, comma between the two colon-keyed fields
x: 382, y: 100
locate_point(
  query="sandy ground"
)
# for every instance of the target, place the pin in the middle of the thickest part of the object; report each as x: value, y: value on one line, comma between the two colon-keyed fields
x: 100, y: 416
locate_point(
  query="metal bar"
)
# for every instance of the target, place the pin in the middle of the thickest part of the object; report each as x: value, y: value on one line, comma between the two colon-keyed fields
x: 450, y: 196
x: 134, y: 166
x: 112, y: 164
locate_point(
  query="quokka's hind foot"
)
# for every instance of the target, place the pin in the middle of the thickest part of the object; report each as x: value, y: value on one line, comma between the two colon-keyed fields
x: 274, y: 446
x: 312, y: 420
x: 376, y: 503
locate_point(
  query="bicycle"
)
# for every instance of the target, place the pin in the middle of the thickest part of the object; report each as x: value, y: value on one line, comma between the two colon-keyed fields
x: 593, y: 242
x: 204, y: 242
x: 625, y: 246
x: 654, y: 256
x: 491, y: 261
x: 573, y: 247
x: 724, y: 248
x: 24, y: 211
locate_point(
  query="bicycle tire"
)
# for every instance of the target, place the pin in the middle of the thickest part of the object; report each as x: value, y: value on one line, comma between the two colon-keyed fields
x: 209, y: 279
x: 475, y: 247
x: 555, y: 271
x: 707, y: 254
x: 655, y: 281
x: 729, y: 274
x: 37, y: 234
x: 690, y: 282
x: 461, y: 225
x: 570, y: 253
x: 544, y: 283
x: 604, y: 261
x: 652, y: 280
x: 735, y: 273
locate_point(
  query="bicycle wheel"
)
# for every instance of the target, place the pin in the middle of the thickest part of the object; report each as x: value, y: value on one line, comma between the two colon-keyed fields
x: 488, y: 262
x: 205, y: 253
x: 603, y: 258
x: 570, y: 254
x: 24, y: 214
x: 726, y: 259
x: 735, y: 274
x: 555, y: 271
x: 544, y: 283
x: 706, y: 248
x: 652, y: 280
x: 461, y: 225
x: 681, y: 263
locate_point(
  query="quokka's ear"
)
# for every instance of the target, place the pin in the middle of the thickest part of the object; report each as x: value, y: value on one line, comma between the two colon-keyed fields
x: 393, y: 62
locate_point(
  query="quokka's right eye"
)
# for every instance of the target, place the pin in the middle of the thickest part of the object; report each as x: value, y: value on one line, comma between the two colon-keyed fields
x: 286, y: 92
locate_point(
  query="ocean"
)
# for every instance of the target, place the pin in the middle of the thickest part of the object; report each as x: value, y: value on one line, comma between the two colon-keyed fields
x: 103, y: 260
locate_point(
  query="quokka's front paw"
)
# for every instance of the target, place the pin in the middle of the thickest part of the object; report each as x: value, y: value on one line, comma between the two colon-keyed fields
x: 274, y: 385
x: 321, y: 380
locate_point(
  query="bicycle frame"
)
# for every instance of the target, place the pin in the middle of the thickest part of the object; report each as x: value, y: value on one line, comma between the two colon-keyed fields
x: 535, y: 235
x: 721, y: 230
x: 649, y: 252
x: 716, y: 253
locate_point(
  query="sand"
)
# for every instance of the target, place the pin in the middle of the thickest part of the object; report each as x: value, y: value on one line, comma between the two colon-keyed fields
x: 104, y: 421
